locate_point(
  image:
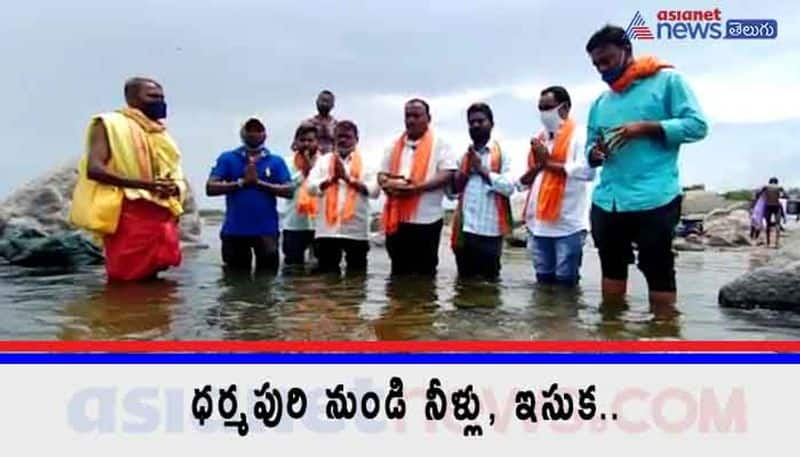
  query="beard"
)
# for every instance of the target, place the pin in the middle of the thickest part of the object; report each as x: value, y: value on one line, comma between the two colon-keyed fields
x: 479, y: 135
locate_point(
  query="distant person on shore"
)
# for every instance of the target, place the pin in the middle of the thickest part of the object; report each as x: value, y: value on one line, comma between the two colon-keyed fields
x: 343, y: 187
x: 324, y: 121
x: 635, y: 131
x: 483, y: 214
x: 773, y: 212
x: 415, y: 171
x: 250, y: 177
x: 558, y: 181
x: 130, y: 187
x: 300, y: 212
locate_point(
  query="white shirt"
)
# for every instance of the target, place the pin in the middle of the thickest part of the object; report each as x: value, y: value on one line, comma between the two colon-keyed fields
x: 430, y: 203
x: 356, y: 228
x: 577, y: 193
x: 480, y: 216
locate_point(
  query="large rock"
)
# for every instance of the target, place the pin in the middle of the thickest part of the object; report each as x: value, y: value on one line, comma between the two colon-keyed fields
x: 41, y: 208
x: 701, y: 202
x: 684, y: 244
x: 771, y: 287
x: 726, y: 228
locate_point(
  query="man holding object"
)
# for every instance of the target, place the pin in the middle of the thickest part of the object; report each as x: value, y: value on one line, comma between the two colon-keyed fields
x: 635, y: 131
x: 130, y: 186
x: 415, y: 170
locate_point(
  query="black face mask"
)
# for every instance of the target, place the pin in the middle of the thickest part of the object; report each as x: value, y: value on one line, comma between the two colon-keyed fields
x: 479, y: 134
x: 155, y: 110
x: 253, y: 142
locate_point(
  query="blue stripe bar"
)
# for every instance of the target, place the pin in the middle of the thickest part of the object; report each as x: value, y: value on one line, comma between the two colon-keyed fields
x: 399, y: 359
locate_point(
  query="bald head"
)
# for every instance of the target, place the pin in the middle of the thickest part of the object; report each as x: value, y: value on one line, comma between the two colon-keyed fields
x: 146, y: 95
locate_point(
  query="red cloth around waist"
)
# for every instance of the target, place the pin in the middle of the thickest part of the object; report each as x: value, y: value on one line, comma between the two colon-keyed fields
x: 147, y: 241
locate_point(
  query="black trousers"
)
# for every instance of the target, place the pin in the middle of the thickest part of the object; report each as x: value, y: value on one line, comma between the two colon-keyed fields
x: 479, y: 256
x: 414, y: 248
x: 238, y: 252
x: 329, y: 253
x: 295, y: 243
x: 652, y: 230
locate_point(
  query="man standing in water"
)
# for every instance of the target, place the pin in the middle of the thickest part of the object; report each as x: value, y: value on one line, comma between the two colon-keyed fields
x: 635, y: 131
x: 324, y: 122
x: 300, y: 212
x: 344, y: 188
x: 483, y: 213
x: 415, y: 170
x: 558, y: 181
x: 250, y: 177
x: 130, y: 187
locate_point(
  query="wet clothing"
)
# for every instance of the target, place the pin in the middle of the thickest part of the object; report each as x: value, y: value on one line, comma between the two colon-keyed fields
x: 653, y: 230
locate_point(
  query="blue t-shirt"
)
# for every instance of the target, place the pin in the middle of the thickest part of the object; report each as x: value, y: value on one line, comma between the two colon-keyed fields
x: 250, y: 211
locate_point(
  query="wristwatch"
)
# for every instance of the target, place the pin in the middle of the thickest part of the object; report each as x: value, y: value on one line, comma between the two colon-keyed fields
x: 240, y: 183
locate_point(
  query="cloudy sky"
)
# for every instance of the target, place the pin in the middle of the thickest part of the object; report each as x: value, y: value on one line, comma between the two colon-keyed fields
x: 221, y: 61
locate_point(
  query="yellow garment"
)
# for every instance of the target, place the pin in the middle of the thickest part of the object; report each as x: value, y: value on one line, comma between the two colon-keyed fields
x: 140, y: 149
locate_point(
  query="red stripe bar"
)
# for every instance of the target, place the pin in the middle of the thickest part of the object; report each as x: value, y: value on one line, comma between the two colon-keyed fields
x: 398, y: 346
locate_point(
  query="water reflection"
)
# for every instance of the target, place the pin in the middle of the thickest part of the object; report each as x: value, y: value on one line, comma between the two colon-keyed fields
x: 204, y: 301
x: 325, y: 307
x: 620, y: 321
x: 410, y: 308
x: 122, y: 311
x: 477, y: 293
x: 243, y: 309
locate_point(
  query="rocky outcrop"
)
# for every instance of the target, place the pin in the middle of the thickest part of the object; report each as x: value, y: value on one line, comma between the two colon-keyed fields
x: 774, y: 286
x: 769, y: 287
x: 701, y: 202
x: 35, y: 217
x: 727, y: 228
x: 692, y: 243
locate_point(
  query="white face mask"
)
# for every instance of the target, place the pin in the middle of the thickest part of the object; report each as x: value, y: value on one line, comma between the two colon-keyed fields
x: 551, y: 120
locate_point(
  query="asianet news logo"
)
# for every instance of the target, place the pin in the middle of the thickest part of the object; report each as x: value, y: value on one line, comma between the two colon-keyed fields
x: 699, y: 25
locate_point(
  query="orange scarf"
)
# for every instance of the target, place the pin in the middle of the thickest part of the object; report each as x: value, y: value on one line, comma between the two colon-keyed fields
x: 641, y: 67
x: 501, y: 201
x: 332, y: 192
x: 551, y: 191
x: 306, y: 203
x: 397, y: 210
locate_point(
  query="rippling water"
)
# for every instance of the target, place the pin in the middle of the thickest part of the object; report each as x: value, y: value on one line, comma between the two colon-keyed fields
x: 200, y: 301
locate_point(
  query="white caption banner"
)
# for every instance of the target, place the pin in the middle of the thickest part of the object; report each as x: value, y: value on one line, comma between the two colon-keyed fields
x: 139, y: 409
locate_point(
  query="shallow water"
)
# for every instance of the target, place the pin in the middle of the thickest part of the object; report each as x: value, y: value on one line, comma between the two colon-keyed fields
x: 200, y: 301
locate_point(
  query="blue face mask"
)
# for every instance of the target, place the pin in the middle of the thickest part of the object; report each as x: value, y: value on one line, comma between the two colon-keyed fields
x: 155, y: 110
x: 613, y: 74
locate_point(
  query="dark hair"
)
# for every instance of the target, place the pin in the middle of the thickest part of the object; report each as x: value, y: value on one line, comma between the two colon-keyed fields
x: 773, y: 180
x: 560, y: 94
x: 254, y: 124
x: 348, y: 125
x: 421, y: 102
x: 481, y: 108
x: 610, y: 34
x: 304, y: 128
x: 326, y: 92
x: 132, y: 85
